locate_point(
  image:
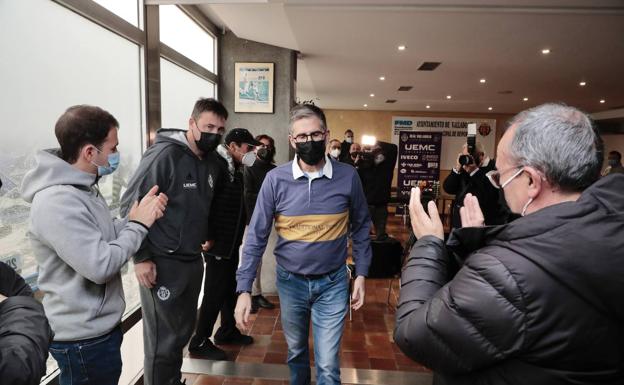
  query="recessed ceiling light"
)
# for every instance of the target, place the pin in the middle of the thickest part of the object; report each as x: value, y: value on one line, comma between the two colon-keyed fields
x: 582, y: 84
x: 382, y: 78
x: 525, y: 99
x: 372, y: 95
x: 482, y: 81
x: 402, y: 48
x: 602, y: 101
x: 365, y: 105
x: 545, y: 51
x: 489, y: 108
x: 448, y: 96
x: 427, y: 106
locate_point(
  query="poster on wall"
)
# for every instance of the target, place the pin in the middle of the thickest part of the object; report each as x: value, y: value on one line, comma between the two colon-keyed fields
x: 419, y: 162
x: 254, y: 87
x: 453, y: 130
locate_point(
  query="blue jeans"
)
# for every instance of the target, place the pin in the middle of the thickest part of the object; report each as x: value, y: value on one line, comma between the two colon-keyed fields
x: 96, y: 361
x: 326, y: 299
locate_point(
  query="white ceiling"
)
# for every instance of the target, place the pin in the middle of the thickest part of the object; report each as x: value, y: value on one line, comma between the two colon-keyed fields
x: 346, y: 45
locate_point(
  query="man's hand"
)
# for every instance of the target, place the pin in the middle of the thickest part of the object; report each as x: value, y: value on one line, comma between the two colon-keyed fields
x: 2, y: 298
x: 357, y: 297
x: 241, y: 313
x: 423, y: 224
x: 471, y: 214
x: 146, y: 273
x: 207, y: 245
x: 150, y: 208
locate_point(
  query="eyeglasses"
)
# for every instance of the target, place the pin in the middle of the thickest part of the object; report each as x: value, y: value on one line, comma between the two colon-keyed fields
x: 316, y: 136
x: 495, y: 176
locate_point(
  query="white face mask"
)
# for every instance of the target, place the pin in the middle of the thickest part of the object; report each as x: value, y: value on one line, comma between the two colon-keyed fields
x: 349, y: 139
x: 249, y: 158
x: 335, y: 152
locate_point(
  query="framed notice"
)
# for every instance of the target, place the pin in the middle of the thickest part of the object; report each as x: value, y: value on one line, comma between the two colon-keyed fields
x: 254, y: 87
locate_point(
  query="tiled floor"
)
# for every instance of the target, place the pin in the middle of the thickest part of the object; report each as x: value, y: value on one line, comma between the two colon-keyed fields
x: 366, y: 344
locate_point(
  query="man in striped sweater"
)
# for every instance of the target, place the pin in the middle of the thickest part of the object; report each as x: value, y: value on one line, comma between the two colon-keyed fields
x: 315, y: 203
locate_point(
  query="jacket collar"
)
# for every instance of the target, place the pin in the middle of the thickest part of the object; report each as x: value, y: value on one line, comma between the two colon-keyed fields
x: 327, y: 170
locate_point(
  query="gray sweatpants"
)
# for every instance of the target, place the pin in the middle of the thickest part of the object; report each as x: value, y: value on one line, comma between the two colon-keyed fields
x: 169, y: 314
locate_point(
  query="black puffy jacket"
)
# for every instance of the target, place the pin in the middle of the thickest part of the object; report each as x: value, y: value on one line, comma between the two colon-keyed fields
x: 25, y: 333
x: 538, y: 301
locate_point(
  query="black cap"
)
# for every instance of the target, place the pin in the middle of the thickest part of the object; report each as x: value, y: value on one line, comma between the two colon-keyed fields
x: 240, y: 135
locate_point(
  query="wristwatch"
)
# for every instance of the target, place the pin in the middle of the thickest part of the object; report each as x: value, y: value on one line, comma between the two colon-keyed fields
x: 243, y: 291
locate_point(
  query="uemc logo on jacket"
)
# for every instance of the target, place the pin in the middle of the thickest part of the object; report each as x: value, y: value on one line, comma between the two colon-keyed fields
x: 190, y: 183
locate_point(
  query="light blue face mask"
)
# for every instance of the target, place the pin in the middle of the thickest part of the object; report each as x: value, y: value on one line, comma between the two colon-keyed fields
x: 113, y: 163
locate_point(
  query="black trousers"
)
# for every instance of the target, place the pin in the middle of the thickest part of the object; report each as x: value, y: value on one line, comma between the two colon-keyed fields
x: 379, y: 216
x: 169, y: 313
x: 219, y: 296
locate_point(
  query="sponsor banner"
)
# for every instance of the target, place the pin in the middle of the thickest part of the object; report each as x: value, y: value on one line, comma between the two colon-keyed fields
x: 419, y: 161
x: 453, y: 131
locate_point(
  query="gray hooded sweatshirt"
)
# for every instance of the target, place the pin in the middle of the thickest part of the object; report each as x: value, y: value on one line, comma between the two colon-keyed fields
x: 79, y: 247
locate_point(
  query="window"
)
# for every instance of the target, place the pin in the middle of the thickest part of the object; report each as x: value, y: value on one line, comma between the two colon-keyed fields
x: 46, y: 67
x: 180, y: 89
x: 180, y: 32
x: 129, y: 10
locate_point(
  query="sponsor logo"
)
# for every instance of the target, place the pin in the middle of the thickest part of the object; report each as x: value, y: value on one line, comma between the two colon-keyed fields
x: 210, y: 181
x: 403, y: 123
x: 190, y: 185
x: 163, y: 293
x: 420, y: 147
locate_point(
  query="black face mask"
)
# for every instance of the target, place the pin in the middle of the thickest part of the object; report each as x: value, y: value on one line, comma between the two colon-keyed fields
x: 208, y: 142
x: 311, y: 152
x: 265, y: 154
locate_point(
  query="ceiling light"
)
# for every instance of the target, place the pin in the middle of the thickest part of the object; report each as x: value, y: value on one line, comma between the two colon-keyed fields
x: 448, y: 96
x: 365, y: 105
x: 382, y: 78
x: 482, y: 81
x: 582, y: 84
x: 402, y: 48
x: 489, y: 108
x: 525, y: 99
x: 372, y: 95
x: 428, y: 106
x: 602, y: 101
x: 545, y: 51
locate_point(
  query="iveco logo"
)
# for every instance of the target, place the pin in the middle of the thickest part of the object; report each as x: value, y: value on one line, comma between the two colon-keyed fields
x: 402, y: 122
x: 190, y: 185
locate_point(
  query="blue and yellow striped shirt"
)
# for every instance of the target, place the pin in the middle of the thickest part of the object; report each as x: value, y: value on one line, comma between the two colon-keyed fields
x: 313, y: 217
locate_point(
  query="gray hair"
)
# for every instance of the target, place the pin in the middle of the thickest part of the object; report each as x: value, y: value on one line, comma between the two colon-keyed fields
x: 560, y: 141
x: 303, y: 111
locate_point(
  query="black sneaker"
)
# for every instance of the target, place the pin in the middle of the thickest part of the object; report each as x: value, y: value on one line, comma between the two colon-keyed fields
x: 208, y: 351
x: 260, y: 301
x: 236, y: 338
x: 196, y: 342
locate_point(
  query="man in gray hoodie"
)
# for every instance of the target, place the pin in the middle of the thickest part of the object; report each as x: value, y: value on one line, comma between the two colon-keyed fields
x: 80, y: 248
